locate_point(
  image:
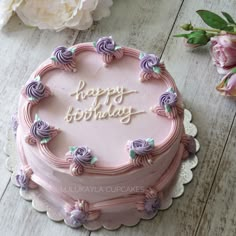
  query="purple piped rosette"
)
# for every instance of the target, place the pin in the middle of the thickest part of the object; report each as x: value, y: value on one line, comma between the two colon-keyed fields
x: 149, y: 63
x: 82, y: 156
x: 63, y: 55
x: 22, y: 180
x: 76, y: 218
x: 140, y: 147
x: 35, y: 90
x: 106, y: 45
x: 168, y: 100
x: 152, y: 205
x: 41, y: 130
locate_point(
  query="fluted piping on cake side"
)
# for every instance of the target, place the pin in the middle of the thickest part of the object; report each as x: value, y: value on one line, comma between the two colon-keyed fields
x: 136, y: 200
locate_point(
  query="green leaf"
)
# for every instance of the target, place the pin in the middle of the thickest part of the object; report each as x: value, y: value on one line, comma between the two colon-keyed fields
x: 37, y: 78
x: 117, y: 47
x: 94, y: 44
x: 94, y: 159
x: 212, y: 19
x: 167, y: 108
x: 45, y: 140
x: 199, y: 37
x: 233, y: 70
x: 228, y: 17
x: 228, y: 28
x: 170, y: 90
x: 141, y: 55
x: 72, y: 148
x: 156, y: 69
x: 36, y: 118
x: 132, y: 154
x: 31, y: 99
x: 53, y: 58
x: 150, y: 141
x: 72, y: 50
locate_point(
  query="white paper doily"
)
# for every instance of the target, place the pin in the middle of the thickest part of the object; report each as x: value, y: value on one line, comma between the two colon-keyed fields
x: 41, y: 204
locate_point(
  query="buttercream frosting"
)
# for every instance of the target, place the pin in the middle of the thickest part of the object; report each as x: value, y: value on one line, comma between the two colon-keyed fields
x: 115, y: 181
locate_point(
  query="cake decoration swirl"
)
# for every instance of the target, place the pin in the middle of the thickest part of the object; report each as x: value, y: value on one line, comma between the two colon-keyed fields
x: 23, y: 178
x: 107, y: 47
x: 168, y: 99
x: 151, y: 67
x: 80, y: 157
x: 64, y: 58
x: 35, y: 90
x: 168, y: 105
x: 40, y: 131
x: 140, y: 151
x: 152, y: 205
x: 79, y: 214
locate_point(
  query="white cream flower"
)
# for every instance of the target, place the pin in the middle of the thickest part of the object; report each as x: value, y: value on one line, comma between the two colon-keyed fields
x: 59, y: 14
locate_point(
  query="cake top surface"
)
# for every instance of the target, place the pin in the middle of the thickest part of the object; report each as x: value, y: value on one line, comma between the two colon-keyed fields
x: 102, y: 106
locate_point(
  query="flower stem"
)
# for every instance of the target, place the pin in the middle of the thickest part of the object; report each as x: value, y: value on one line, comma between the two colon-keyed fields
x: 213, y: 30
x: 209, y: 30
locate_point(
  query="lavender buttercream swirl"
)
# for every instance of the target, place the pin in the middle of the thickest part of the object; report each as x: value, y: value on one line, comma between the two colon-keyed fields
x: 105, y: 45
x: 82, y: 156
x: 148, y: 62
x: 35, y: 90
x: 141, y: 147
x: 40, y: 130
x: 77, y: 218
x: 63, y: 55
x: 152, y: 205
x: 168, y: 98
x: 22, y: 179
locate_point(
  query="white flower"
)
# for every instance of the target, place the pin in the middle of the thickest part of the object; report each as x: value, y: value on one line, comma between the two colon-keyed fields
x: 6, y: 9
x: 61, y: 14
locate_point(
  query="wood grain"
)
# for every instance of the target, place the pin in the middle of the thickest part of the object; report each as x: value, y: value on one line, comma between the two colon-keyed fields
x: 144, y: 24
x: 219, y: 217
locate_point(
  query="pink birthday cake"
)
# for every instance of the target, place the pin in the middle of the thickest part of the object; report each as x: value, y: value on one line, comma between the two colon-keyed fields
x: 100, y: 132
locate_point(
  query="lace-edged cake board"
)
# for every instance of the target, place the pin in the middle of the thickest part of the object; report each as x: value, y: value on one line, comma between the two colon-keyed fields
x: 41, y: 204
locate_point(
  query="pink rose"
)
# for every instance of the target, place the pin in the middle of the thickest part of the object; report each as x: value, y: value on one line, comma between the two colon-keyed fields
x: 227, y: 85
x: 223, y: 52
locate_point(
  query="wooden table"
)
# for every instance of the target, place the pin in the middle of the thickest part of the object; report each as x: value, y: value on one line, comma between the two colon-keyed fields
x: 208, y: 206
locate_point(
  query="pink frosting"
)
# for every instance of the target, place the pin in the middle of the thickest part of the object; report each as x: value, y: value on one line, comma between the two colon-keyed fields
x: 107, y: 137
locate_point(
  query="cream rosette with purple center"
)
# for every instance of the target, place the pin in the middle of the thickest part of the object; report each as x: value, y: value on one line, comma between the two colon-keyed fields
x: 35, y: 90
x: 150, y: 66
x: 140, y: 151
x: 80, y: 157
x: 168, y: 105
x: 64, y: 58
x: 40, y: 131
x: 107, y: 47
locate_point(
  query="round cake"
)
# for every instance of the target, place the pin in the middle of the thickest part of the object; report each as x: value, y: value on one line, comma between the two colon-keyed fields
x: 101, y: 132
